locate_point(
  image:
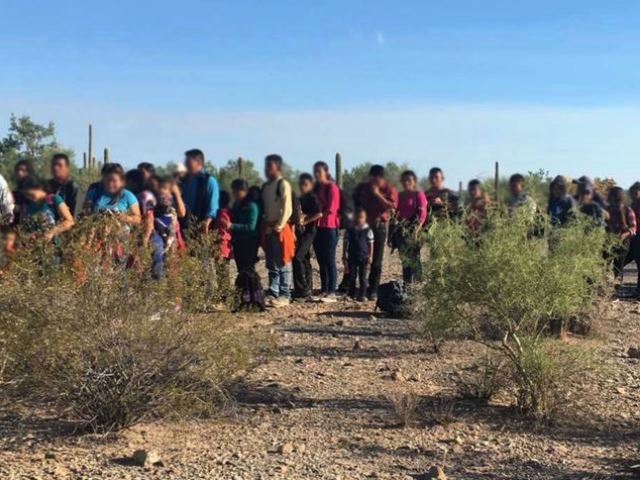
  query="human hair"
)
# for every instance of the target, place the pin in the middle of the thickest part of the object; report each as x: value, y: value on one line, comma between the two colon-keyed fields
x: 474, y: 183
x: 517, y: 178
x: 616, y: 203
x: 435, y: 171
x: 147, y: 167
x: 274, y: 158
x: 134, y: 180
x: 225, y: 199
x: 360, y: 210
x: 113, y: 169
x: 32, y: 183
x: 195, y: 153
x: 255, y: 193
x: 60, y: 156
x: 409, y: 174
x: 635, y: 187
x: 377, y: 171
x: 26, y: 164
x: 240, y: 184
x: 305, y: 177
x: 323, y: 165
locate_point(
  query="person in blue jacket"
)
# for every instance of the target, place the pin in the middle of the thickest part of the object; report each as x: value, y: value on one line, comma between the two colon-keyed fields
x: 200, y: 193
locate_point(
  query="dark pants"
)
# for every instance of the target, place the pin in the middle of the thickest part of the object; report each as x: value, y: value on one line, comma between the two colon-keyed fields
x: 358, y: 269
x: 411, y: 261
x: 302, y: 269
x: 379, y: 243
x: 325, y: 245
x: 245, y: 253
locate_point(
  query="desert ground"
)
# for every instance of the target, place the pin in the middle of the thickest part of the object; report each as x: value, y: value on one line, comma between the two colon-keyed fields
x: 322, y: 407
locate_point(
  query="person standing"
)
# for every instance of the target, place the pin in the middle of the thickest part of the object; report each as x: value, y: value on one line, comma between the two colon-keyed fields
x: 444, y: 203
x: 201, y: 195
x: 277, y: 202
x: 379, y: 200
x: 305, y: 235
x: 478, y: 209
x: 326, y: 241
x: 622, y: 224
x: 245, y: 236
x: 46, y: 214
x: 358, y: 254
x: 22, y: 170
x: 61, y: 182
x: 562, y: 207
x: 7, y: 203
x: 518, y: 197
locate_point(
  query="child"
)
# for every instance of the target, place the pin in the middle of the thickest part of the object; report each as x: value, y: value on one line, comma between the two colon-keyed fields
x: 305, y: 235
x: 223, y: 226
x: 622, y: 224
x: 9, y: 247
x: 478, y: 208
x: 358, y: 254
x: 245, y: 235
x: 166, y: 221
x: 562, y: 206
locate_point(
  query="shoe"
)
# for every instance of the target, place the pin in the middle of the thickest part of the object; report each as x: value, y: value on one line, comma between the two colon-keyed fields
x: 361, y: 298
x: 329, y: 298
x: 372, y: 297
x: 270, y: 301
x: 281, y: 302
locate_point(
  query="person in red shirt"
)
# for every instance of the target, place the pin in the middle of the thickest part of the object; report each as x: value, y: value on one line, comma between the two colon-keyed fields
x: 223, y: 231
x: 379, y: 200
x: 478, y: 208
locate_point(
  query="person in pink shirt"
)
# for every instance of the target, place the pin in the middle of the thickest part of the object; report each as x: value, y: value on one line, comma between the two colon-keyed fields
x: 326, y: 241
x: 411, y: 216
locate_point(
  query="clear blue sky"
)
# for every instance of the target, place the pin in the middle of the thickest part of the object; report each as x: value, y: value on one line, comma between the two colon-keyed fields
x: 532, y: 84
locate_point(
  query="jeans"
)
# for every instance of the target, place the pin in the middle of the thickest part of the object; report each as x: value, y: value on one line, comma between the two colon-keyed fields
x: 325, y: 246
x: 302, y: 269
x: 157, y: 259
x: 379, y: 243
x: 358, y: 269
x: 279, y: 273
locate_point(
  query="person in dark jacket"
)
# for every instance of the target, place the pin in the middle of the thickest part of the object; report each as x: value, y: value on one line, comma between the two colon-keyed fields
x: 586, y: 181
x: 358, y: 254
x: 562, y: 207
x: 443, y: 202
x: 61, y: 182
x: 306, y: 232
x: 588, y: 205
x: 245, y: 236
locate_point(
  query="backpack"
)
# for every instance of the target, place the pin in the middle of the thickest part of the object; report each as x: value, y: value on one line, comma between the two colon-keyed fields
x: 345, y: 212
x: 296, y: 209
x: 392, y: 300
x: 250, y: 290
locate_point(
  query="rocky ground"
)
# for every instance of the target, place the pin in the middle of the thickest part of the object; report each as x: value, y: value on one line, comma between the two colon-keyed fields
x: 326, y: 406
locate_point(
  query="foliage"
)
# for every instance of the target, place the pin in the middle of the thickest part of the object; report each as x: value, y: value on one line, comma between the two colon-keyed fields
x: 510, y: 283
x: 96, y: 337
x: 403, y: 406
x: 484, y: 379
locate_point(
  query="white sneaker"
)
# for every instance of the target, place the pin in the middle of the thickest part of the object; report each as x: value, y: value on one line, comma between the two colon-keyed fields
x: 329, y: 298
x: 281, y: 302
x: 270, y: 301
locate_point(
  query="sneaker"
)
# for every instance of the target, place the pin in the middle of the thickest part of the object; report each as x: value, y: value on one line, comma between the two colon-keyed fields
x: 281, y: 302
x: 361, y: 298
x: 329, y: 298
x: 270, y: 301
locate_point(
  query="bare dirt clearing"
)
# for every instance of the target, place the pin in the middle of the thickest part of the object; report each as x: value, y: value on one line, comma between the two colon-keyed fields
x: 321, y: 408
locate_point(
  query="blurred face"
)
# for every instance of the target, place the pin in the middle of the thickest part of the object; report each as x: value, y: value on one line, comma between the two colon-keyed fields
x: 113, y: 184
x: 152, y: 184
x: 320, y: 174
x: 516, y: 188
x: 409, y: 183
x: 634, y: 193
x: 35, y: 194
x: 146, y: 174
x: 436, y: 180
x: 164, y: 188
x: 271, y: 170
x: 239, y: 195
x: 21, y: 172
x: 378, y: 181
x: 194, y: 165
x: 59, y: 169
x: 586, y: 198
x: 361, y: 218
x: 305, y: 186
x: 475, y: 192
x: 557, y: 190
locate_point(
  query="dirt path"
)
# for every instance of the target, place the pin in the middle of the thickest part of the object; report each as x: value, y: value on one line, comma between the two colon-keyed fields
x: 320, y: 408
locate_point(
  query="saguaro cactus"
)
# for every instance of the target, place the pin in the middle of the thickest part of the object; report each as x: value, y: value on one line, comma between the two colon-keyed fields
x: 90, y: 151
x: 339, y: 169
x: 84, y: 160
x: 105, y: 159
x: 240, y: 167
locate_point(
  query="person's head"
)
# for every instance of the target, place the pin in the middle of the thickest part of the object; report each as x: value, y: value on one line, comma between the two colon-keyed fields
x: 585, y: 193
x: 239, y: 189
x: 558, y: 187
x: 634, y: 191
x: 60, y: 167
x: 33, y: 188
x: 255, y: 194
x: 152, y: 183
x: 474, y: 187
x: 616, y: 197
x: 360, y: 218
x: 113, y: 178
x: 409, y: 181
x: 321, y: 172
x: 305, y: 182
x: 194, y: 161
x: 517, y: 184
x: 22, y: 170
x: 165, y: 186
x: 436, y: 178
x: 134, y: 181
x: 225, y: 199
x: 273, y: 166
x: 377, y: 175
x: 147, y: 170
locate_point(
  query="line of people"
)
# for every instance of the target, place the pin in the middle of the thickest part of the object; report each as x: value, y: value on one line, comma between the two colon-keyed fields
x: 290, y: 224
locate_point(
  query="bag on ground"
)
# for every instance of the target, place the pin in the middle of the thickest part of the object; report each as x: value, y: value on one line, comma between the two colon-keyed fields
x: 392, y: 300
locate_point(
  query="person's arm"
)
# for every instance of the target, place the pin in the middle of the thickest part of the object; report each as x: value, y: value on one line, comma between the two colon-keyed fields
x: 422, y: 208
x: 390, y: 201
x: 287, y: 208
x: 345, y: 248
x: 631, y: 224
x: 370, y: 242
x: 7, y: 202
x: 181, y: 209
x: 65, y: 223
x: 213, y: 192
x: 149, y: 220
x: 133, y: 216
x: 251, y: 223
x: 333, y: 201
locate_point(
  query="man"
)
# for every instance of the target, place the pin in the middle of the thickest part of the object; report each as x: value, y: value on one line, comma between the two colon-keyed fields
x: 379, y: 200
x: 562, y: 206
x: 587, y: 182
x: 588, y: 205
x: 277, y: 200
x: 7, y: 205
x: 443, y: 202
x: 519, y: 198
x: 200, y: 193
x: 61, y: 182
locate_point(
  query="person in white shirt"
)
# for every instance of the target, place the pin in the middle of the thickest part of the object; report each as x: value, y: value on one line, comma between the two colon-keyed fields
x: 7, y: 203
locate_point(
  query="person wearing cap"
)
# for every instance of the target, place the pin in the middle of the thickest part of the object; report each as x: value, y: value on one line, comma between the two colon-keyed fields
x: 562, y: 206
x: 588, y: 205
x: 597, y: 198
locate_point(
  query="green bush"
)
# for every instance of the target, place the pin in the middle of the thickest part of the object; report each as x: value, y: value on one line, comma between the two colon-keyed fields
x: 504, y: 288
x: 109, y: 346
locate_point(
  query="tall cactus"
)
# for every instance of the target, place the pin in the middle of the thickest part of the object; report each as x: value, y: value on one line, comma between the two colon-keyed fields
x: 240, y: 167
x: 84, y: 161
x: 339, y: 169
x: 90, y: 151
x: 105, y: 159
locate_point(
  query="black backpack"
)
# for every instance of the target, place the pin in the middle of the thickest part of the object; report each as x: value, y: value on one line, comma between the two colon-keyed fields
x: 392, y: 300
x: 250, y: 290
x: 346, y: 210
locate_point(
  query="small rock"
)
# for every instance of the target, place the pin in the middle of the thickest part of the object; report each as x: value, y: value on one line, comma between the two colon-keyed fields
x: 436, y: 473
x: 398, y: 376
x: 49, y: 456
x: 146, y: 458
x: 633, y: 352
x: 285, y: 449
x: 301, y: 448
x: 357, y: 345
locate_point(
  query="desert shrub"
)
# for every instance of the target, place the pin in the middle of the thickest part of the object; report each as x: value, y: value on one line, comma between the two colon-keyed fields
x: 403, y: 406
x: 106, y: 344
x: 484, y: 379
x: 509, y: 284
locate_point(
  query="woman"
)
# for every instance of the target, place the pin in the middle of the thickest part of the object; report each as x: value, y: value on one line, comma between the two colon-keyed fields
x: 22, y: 170
x: 622, y: 224
x: 45, y: 215
x: 326, y: 240
x: 245, y: 236
x: 406, y: 234
x: 478, y: 208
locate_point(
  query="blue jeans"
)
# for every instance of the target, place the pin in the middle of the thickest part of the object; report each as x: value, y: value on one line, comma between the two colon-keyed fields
x: 157, y: 249
x: 279, y: 273
x: 325, y: 245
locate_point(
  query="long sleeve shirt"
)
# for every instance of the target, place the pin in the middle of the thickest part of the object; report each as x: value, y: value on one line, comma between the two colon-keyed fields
x: 245, y: 221
x: 329, y: 197
x: 7, y: 203
x: 205, y: 204
x: 377, y: 212
x: 412, y: 206
x: 277, y: 203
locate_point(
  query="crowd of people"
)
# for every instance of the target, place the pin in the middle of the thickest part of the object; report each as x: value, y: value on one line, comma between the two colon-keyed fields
x: 290, y: 223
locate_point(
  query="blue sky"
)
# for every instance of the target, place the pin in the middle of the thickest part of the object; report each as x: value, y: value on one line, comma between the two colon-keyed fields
x: 459, y: 84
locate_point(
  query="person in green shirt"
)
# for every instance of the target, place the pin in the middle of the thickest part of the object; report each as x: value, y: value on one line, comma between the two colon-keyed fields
x: 45, y: 214
x: 245, y: 236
